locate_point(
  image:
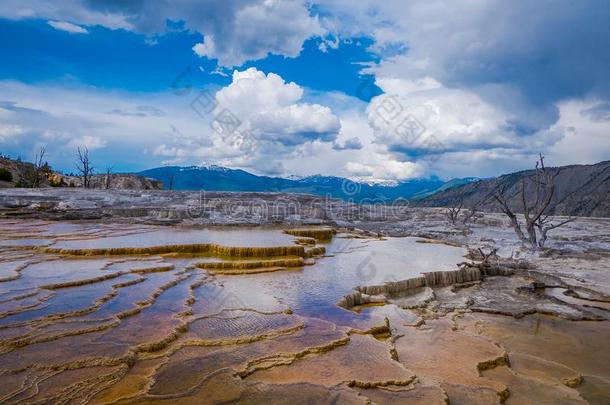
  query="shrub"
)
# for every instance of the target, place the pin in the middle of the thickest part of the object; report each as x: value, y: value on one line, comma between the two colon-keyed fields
x: 5, y: 174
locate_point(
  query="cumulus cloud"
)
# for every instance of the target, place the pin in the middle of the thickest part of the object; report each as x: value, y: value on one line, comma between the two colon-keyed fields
x: 454, y: 119
x: 270, y: 109
x: 482, y: 76
x: 389, y: 170
x: 494, y: 48
x: 68, y: 27
x: 160, y: 128
x: 255, y: 30
x: 480, y: 86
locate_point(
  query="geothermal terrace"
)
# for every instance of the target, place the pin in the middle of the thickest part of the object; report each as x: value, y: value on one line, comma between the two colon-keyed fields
x: 139, y: 298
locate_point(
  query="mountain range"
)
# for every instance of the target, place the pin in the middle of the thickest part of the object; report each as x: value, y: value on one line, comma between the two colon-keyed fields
x: 218, y: 178
x: 580, y: 190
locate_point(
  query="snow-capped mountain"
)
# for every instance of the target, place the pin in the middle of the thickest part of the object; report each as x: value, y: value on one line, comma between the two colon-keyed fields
x: 218, y: 178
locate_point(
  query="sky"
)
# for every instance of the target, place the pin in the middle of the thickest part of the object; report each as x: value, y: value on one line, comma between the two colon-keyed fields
x: 375, y: 91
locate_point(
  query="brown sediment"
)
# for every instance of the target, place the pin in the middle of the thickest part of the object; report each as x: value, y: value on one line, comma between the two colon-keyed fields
x: 240, y: 340
x: 499, y: 361
x: 439, y: 242
x: 58, y: 387
x: 379, y: 332
x: 180, y: 329
x: 242, y: 267
x: 23, y: 308
x: 113, y: 322
x: 141, y: 305
x: 415, y: 394
x: 98, y: 302
x: 249, y: 271
x: 198, y: 248
x: 361, y: 307
x: 252, y: 264
x: 358, y: 299
x: 394, y: 353
x: 315, y: 251
x: 573, y: 382
x: 283, y: 359
x: 305, y: 241
x: 22, y: 342
x: 137, y: 381
x: 362, y: 362
x: 323, y: 234
x: 77, y: 283
x: 434, y: 279
x: 156, y: 269
x: 378, y: 384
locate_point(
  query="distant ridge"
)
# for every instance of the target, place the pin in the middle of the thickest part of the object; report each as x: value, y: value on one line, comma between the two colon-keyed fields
x: 218, y: 178
x: 581, y: 190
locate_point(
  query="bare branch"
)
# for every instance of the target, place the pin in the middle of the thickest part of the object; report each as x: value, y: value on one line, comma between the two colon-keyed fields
x: 84, y: 166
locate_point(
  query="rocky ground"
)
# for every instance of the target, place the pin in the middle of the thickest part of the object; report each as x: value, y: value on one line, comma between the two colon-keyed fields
x: 507, y: 325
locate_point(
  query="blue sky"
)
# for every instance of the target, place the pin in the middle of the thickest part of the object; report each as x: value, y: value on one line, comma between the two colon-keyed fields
x: 379, y: 92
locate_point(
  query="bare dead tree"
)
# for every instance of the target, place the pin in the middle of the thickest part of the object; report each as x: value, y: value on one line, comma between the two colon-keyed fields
x: 32, y: 174
x: 84, y: 166
x: 535, y: 205
x: 544, y: 226
x: 38, y: 165
x: 470, y: 215
x: 170, y: 180
x: 453, y: 212
x: 107, y: 177
x: 487, y: 261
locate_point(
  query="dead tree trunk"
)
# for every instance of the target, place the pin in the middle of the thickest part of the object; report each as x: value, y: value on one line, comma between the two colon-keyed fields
x: 535, y: 206
x: 108, y: 177
x: 84, y: 166
x: 454, y: 212
x: 39, y: 164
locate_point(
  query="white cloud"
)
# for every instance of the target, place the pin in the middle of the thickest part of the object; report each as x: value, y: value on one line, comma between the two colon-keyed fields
x: 488, y: 80
x: 388, y: 170
x: 68, y: 27
x: 269, y: 109
x: 138, y: 131
x: 64, y: 119
x: 406, y: 121
x: 63, y: 10
x: 87, y: 141
x: 257, y: 29
x: 234, y: 31
x: 10, y: 132
x: 494, y: 83
x: 586, y: 138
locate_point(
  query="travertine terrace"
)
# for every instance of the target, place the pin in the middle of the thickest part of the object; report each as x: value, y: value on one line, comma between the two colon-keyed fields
x: 133, y: 297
